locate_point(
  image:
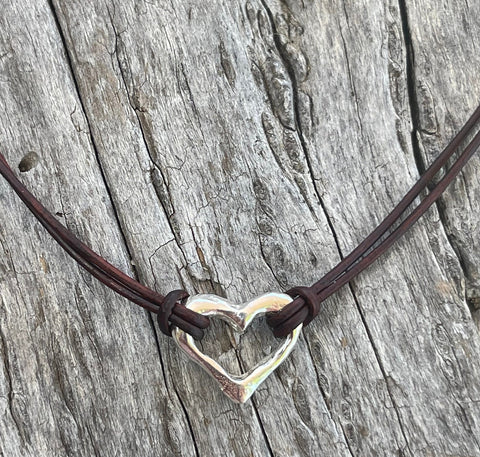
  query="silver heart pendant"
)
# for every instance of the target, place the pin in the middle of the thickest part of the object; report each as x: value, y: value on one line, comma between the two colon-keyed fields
x: 239, y: 388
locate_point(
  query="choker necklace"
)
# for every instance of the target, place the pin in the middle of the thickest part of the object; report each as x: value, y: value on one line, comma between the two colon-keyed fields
x: 185, y: 318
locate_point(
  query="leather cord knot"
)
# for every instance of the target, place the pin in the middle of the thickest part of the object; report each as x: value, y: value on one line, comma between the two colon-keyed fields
x: 310, y: 299
x: 165, y: 312
x: 172, y: 311
x: 303, y: 309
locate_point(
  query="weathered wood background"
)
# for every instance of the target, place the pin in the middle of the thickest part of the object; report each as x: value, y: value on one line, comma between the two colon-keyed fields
x: 237, y: 147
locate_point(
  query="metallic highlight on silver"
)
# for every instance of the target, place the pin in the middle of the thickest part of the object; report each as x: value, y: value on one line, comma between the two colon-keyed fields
x: 239, y: 388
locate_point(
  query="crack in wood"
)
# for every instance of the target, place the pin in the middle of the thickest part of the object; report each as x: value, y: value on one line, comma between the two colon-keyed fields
x: 90, y: 133
x: 292, y: 75
x: 109, y: 192
x: 159, y: 187
x: 417, y: 128
x: 10, y: 394
x: 327, y: 402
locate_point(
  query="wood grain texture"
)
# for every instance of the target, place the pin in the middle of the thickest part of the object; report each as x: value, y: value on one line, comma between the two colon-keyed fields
x: 237, y: 147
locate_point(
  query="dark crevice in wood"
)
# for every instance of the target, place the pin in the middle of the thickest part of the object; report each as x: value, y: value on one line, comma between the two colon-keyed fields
x: 328, y: 402
x: 411, y: 87
x: 215, y: 287
x: 382, y: 369
x: 157, y: 343
x: 265, y: 260
x: 351, y: 79
x: 417, y: 153
x: 96, y: 451
x: 167, y: 215
x: 442, y: 213
x: 291, y: 73
x: 292, y: 76
x: 161, y: 198
x: 177, y: 394
x: 10, y: 394
x: 255, y: 408
x: 163, y: 185
x: 90, y: 134
x: 262, y: 428
x: 293, y: 79
x: 148, y: 149
x: 189, y: 422
x: 166, y: 201
x: 125, y: 240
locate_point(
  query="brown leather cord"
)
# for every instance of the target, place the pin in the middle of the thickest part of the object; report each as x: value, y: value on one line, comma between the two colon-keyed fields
x: 276, y: 319
x: 118, y: 281
x: 304, y: 306
x: 307, y: 300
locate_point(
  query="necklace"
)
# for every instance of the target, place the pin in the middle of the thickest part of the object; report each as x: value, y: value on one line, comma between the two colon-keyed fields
x: 185, y: 318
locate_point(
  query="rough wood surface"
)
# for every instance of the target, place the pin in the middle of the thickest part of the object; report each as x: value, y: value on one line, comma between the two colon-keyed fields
x: 237, y: 147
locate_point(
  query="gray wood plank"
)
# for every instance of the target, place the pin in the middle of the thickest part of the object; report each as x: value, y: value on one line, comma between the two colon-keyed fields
x: 237, y: 148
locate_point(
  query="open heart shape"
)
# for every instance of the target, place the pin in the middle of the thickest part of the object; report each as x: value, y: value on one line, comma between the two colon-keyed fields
x: 237, y: 387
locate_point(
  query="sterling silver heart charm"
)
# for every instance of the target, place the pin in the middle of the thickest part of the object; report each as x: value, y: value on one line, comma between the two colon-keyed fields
x: 237, y: 387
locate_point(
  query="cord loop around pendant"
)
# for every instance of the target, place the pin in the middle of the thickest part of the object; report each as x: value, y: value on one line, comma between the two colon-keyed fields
x: 303, y: 309
x: 309, y: 297
x: 166, y: 310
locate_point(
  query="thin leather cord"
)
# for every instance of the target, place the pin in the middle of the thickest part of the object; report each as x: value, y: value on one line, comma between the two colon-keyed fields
x: 275, y: 319
x: 324, y: 290
x: 109, y: 275
x: 306, y: 303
